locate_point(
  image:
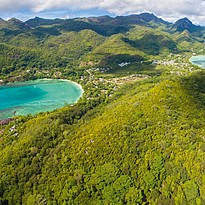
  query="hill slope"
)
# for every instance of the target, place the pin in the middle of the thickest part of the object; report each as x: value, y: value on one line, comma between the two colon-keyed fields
x: 137, y: 143
x: 145, y: 146
x: 98, y: 41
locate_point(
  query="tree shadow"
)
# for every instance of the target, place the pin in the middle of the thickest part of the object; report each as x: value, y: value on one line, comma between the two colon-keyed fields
x: 102, y: 29
x: 128, y: 64
x: 115, y: 59
x: 152, y: 44
x: 194, y: 85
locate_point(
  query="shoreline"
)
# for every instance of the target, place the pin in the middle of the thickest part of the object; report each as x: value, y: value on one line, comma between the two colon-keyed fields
x: 77, y: 84
x: 76, y: 87
x: 197, y: 57
x: 70, y: 81
x: 45, y: 79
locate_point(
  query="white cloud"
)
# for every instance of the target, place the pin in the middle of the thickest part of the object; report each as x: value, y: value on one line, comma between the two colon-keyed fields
x: 170, y: 9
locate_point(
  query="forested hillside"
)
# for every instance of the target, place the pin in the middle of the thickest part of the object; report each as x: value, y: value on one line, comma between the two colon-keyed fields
x: 137, y: 134
x: 29, y: 48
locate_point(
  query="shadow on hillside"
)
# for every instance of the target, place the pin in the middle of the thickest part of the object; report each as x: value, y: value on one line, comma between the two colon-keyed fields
x: 102, y: 29
x: 194, y: 85
x: 152, y: 44
x: 42, y: 32
x: 116, y: 59
x: 128, y: 64
x: 7, y: 33
x: 135, y: 69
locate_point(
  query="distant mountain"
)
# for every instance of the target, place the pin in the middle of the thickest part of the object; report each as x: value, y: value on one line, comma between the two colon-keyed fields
x: 186, y: 24
x: 13, y: 24
x: 42, y: 22
x: 100, y: 19
x: 104, y: 25
x: 107, y: 26
x: 147, y: 17
x: 103, y: 40
x: 140, y: 19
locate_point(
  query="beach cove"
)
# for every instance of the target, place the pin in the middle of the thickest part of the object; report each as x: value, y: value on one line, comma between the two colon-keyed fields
x: 36, y: 96
x: 198, y: 60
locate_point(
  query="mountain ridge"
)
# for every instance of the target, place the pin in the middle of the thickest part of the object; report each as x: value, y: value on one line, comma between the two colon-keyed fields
x: 185, y: 24
x: 104, y: 25
x: 102, y: 19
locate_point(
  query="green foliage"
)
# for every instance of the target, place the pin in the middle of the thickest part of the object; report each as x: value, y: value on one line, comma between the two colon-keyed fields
x: 151, y: 41
x: 190, y: 190
x: 138, y: 143
x: 143, y: 146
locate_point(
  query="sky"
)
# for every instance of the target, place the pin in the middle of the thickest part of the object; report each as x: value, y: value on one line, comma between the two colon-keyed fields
x: 170, y: 10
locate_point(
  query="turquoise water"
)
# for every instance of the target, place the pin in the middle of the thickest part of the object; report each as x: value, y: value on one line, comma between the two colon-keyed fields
x: 37, y: 96
x: 198, y: 60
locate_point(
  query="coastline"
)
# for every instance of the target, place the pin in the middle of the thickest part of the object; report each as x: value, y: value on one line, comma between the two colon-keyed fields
x: 198, y: 58
x: 70, y: 81
x: 77, y: 84
x: 76, y: 88
x: 29, y: 82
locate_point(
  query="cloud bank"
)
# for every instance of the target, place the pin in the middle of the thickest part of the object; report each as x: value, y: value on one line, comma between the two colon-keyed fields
x: 171, y: 9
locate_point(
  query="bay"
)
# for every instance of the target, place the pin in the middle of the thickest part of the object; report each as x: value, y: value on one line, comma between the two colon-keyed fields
x: 41, y: 95
x: 198, y: 60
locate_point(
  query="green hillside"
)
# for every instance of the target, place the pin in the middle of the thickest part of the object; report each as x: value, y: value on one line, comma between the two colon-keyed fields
x: 151, y: 41
x: 114, y: 51
x: 65, y: 45
x: 145, y: 146
x: 137, y: 134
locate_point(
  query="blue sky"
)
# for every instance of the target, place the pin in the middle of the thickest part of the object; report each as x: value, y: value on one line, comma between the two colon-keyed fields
x: 52, y: 14
x: 170, y: 10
